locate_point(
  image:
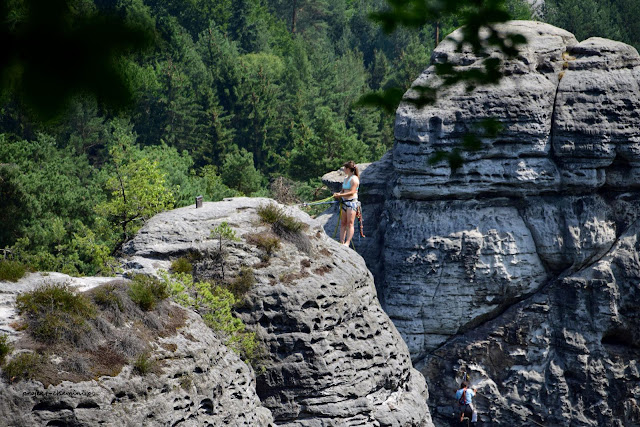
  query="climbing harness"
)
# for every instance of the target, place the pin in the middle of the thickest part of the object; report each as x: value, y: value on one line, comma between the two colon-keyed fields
x: 343, y: 205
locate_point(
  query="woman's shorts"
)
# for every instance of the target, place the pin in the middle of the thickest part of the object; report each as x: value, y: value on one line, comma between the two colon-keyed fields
x: 350, y: 204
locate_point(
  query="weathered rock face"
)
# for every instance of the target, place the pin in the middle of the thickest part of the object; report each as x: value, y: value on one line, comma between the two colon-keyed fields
x: 333, y: 356
x: 201, y: 382
x: 521, y: 267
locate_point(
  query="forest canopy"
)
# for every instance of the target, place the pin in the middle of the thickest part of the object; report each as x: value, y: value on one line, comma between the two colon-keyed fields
x: 227, y: 97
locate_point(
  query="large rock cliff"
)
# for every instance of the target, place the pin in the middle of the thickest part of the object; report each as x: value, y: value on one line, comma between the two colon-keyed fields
x: 331, y: 355
x: 521, y: 267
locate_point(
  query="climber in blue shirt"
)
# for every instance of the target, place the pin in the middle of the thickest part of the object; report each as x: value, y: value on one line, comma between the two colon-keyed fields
x: 465, y: 396
x: 349, y: 204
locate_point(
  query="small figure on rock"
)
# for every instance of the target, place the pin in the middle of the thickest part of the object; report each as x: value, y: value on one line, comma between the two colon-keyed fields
x: 465, y: 397
x: 349, y: 204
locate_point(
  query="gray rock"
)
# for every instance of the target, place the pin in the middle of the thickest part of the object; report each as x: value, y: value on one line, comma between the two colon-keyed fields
x: 333, y: 356
x: 201, y: 382
x: 521, y: 268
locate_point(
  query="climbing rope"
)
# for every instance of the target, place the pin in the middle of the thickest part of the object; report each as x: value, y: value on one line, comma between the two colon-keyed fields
x: 330, y: 201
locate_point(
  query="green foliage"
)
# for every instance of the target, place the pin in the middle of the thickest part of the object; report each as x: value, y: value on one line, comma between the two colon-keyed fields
x: 266, y: 242
x: 215, y: 189
x: 242, y: 283
x: 54, y: 312
x: 215, y: 304
x: 181, y: 265
x: 143, y: 364
x: 78, y: 50
x: 238, y: 172
x: 106, y: 296
x: 224, y: 231
x: 11, y: 270
x: 136, y: 186
x: 614, y: 19
x: 147, y: 291
x: 279, y: 220
x: 58, y: 192
x: 5, y: 348
x: 23, y: 366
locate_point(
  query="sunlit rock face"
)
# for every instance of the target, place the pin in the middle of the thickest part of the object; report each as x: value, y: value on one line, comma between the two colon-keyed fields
x: 331, y: 355
x: 196, y: 379
x: 521, y: 267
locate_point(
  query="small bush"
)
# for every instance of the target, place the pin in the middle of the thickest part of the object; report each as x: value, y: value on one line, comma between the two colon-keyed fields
x: 106, y: 296
x: 215, y: 305
x: 279, y: 220
x: 181, y: 265
x: 242, y: 283
x: 267, y: 242
x: 147, y: 291
x: 11, y: 270
x: 55, y: 312
x: 5, y: 347
x: 269, y: 213
x: 143, y: 365
x: 23, y: 367
x: 224, y: 231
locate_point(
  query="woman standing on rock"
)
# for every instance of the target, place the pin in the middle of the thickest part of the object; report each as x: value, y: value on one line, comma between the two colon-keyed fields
x: 349, y: 205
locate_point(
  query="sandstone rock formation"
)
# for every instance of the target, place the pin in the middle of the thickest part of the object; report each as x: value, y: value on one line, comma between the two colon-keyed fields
x: 521, y: 267
x: 333, y: 356
x: 201, y: 382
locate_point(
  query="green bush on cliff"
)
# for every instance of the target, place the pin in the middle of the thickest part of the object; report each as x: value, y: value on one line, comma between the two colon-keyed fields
x: 279, y: 220
x: 147, y: 291
x: 5, y: 347
x: 54, y: 312
x: 215, y: 304
x: 11, y: 270
x: 23, y: 367
x: 181, y: 265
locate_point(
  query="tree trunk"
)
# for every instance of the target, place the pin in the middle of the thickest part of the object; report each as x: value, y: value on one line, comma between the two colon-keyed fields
x: 293, y: 16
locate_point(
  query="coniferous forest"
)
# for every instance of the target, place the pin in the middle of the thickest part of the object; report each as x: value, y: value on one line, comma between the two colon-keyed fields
x: 233, y: 97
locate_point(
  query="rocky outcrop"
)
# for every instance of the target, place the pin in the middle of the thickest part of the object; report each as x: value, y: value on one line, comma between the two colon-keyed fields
x: 521, y: 267
x: 198, y: 380
x: 332, y: 355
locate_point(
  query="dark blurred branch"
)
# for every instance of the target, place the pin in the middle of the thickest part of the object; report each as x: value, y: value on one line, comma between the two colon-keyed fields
x: 55, y: 49
x: 479, y: 34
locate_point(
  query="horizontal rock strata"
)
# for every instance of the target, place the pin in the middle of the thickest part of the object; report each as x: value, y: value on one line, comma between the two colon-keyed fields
x: 520, y: 267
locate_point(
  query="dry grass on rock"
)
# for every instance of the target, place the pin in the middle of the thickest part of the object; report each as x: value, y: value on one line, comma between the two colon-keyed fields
x: 77, y: 337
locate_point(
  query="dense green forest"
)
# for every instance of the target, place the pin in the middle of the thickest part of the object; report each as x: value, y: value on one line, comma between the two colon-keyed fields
x: 242, y: 97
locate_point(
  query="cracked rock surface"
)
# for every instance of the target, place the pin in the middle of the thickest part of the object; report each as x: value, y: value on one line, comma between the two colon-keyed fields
x: 522, y: 267
x: 332, y: 356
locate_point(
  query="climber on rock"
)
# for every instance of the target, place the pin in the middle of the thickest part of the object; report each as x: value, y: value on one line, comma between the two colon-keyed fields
x: 349, y: 203
x: 465, y: 397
